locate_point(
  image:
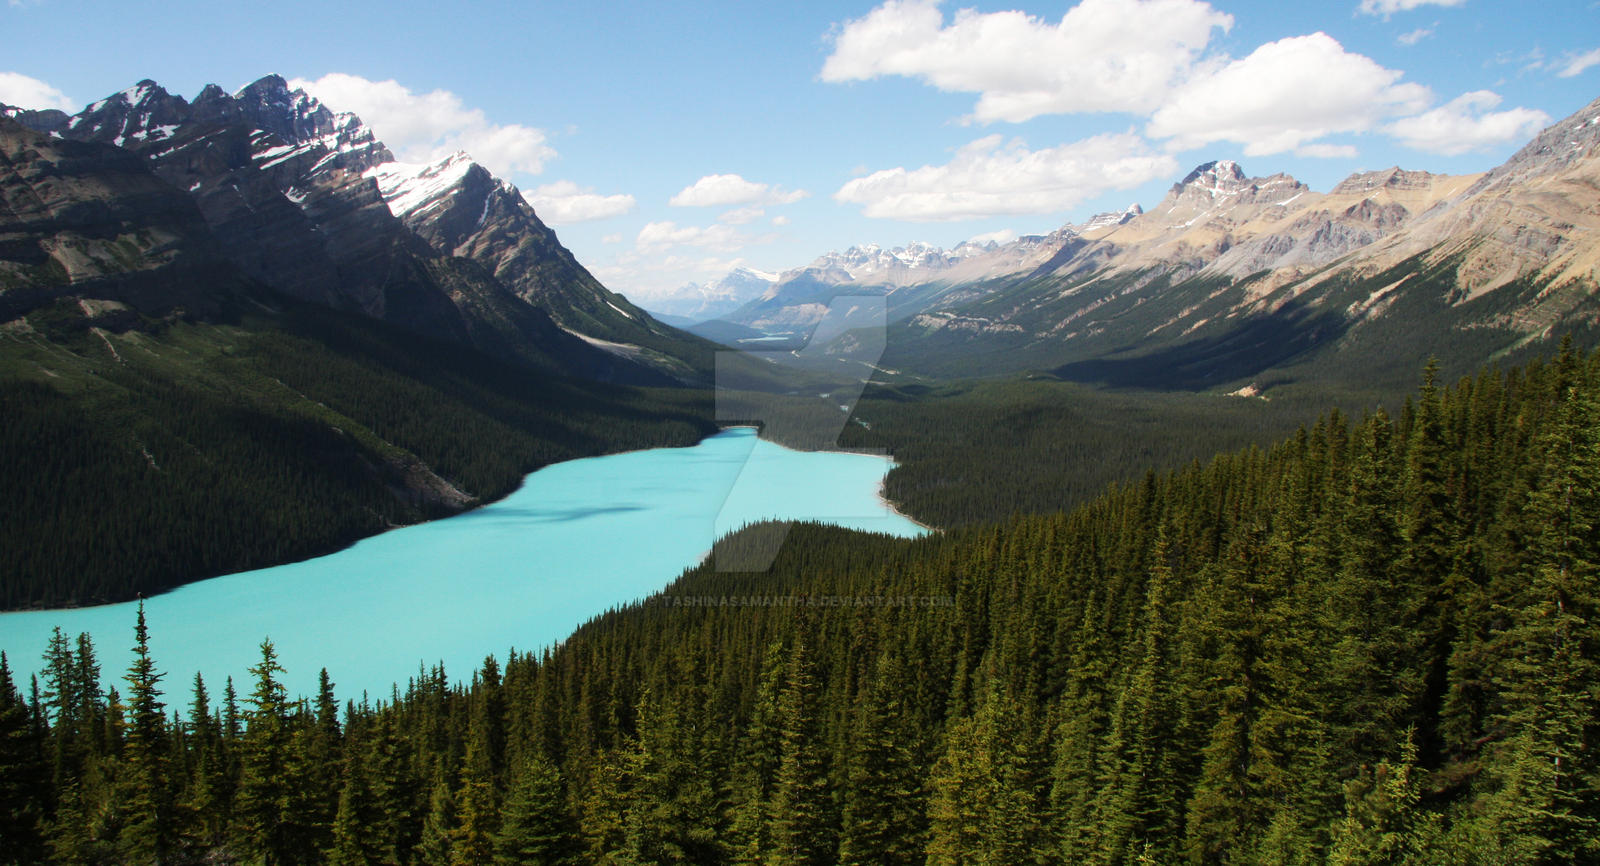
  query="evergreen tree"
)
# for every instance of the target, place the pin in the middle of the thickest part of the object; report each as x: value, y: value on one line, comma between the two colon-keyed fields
x: 210, y: 786
x: 1139, y: 798
x: 1236, y: 662
x: 439, y: 827
x: 757, y: 767
x: 1547, y: 771
x: 395, y: 788
x: 803, y: 826
x: 60, y: 704
x: 535, y: 827
x: 603, y: 816
x: 978, y: 809
x: 264, y: 823
x: 474, y: 839
x: 884, y: 812
x: 24, y: 777
x: 1227, y: 805
x: 356, y: 837
x: 1382, y: 815
x: 147, y: 798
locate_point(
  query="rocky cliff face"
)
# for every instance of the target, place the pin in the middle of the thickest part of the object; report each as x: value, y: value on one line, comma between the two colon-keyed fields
x: 83, y: 222
x: 1532, y: 217
x: 307, y: 200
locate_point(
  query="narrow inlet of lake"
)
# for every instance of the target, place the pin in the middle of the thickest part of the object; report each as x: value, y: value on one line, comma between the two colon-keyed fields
x: 577, y: 539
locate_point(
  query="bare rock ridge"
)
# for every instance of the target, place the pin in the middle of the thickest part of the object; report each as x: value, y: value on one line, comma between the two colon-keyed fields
x: 78, y: 219
x: 308, y: 201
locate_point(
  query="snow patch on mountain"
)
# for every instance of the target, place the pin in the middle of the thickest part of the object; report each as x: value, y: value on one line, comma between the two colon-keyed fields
x: 408, y: 187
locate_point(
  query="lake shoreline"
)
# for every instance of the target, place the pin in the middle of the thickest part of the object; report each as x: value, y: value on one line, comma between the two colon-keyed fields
x: 576, y: 538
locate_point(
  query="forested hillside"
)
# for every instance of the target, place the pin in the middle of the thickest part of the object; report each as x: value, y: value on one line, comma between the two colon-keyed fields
x: 150, y: 455
x: 979, y: 451
x: 1375, y: 642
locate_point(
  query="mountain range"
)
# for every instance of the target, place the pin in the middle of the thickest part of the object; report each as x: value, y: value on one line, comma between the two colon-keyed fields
x: 308, y: 203
x: 1231, y: 277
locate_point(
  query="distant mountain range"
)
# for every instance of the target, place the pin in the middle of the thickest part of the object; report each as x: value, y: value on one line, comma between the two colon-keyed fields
x: 697, y: 302
x: 1231, y: 276
x: 307, y: 202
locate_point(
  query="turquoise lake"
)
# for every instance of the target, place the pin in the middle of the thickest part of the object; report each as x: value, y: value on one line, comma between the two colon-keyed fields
x: 575, y: 540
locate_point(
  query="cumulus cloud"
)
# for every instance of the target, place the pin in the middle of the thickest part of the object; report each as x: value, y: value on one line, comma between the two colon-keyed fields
x: 564, y: 202
x: 1104, y: 55
x: 663, y: 235
x: 1283, y: 96
x: 25, y: 92
x: 1466, y: 123
x: 1003, y: 236
x: 721, y: 190
x: 991, y: 177
x: 1577, y: 64
x: 1327, y: 151
x: 1386, y: 8
x: 423, y: 127
x: 664, y: 278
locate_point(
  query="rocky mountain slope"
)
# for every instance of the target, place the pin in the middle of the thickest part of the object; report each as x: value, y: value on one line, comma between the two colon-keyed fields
x: 81, y: 223
x: 169, y: 416
x: 309, y: 202
x: 1231, y: 277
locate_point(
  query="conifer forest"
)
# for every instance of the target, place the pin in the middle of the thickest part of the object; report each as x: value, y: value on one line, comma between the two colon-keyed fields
x: 1376, y: 641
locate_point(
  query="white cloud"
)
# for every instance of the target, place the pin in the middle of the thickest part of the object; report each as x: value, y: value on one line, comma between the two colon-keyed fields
x: 743, y: 215
x: 564, y: 202
x: 24, y: 92
x: 780, y: 220
x: 1389, y: 7
x: 1283, y: 96
x: 646, y: 281
x: 1003, y: 236
x: 1104, y: 55
x: 423, y: 127
x: 1465, y: 124
x: 990, y: 177
x: 721, y: 190
x: 611, y: 239
x: 1327, y: 151
x: 1414, y: 36
x: 1577, y: 64
x: 659, y: 236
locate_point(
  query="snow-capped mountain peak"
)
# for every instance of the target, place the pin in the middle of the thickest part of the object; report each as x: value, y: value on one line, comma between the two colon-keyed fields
x: 745, y: 273
x: 873, y: 260
x: 1110, y: 218
x: 142, y: 112
x: 1221, y: 189
x: 302, y: 121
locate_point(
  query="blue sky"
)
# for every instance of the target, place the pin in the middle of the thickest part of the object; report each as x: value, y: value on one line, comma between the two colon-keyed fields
x: 668, y: 142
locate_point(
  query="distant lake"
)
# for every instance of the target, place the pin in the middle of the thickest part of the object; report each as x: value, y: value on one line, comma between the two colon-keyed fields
x: 578, y: 538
